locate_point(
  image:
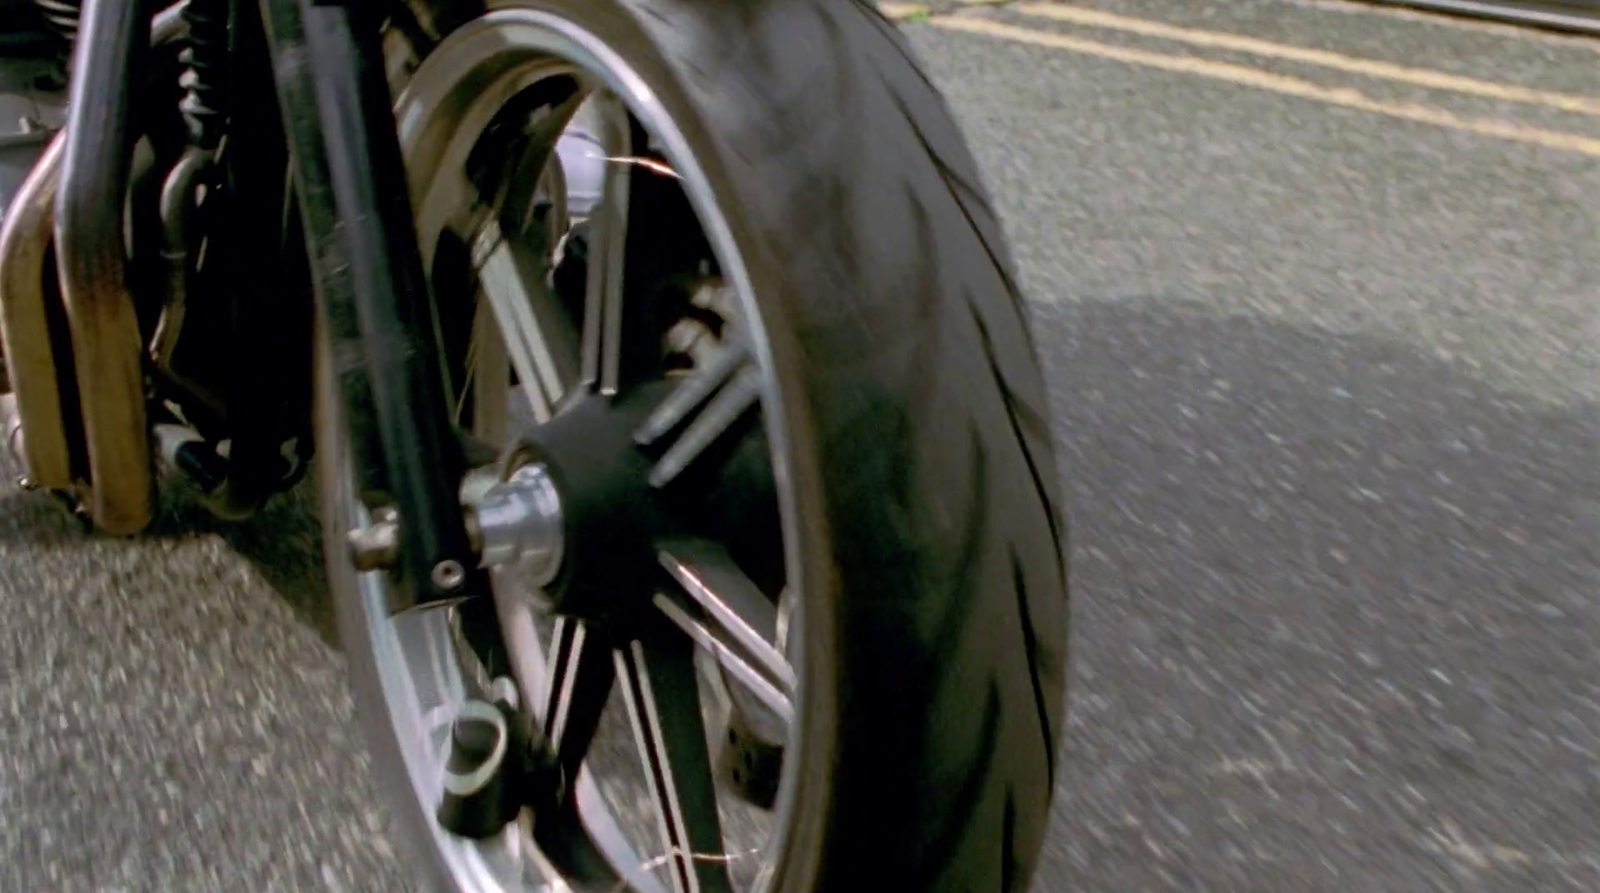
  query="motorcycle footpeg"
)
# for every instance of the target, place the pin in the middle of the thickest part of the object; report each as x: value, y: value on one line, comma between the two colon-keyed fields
x: 499, y: 762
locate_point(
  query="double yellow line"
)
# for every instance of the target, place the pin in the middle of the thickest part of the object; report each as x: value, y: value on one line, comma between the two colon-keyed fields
x: 1248, y: 76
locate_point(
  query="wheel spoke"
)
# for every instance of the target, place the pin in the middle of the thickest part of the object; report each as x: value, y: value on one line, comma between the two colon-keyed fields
x: 511, y: 275
x: 580, y: 842
x: 687, y: 396
x: 661, y: 687
x: 445, y: 204
x: 581, y: 677
x: 530, y: 158
x: 488, y: 378
x: 587, y: 859
x: 608, y: 227
x: 727, y: 387
x: 761, y: 685
x: 731, y: 618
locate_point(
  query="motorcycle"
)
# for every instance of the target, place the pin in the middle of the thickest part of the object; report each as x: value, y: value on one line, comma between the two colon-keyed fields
x: 684, y: 459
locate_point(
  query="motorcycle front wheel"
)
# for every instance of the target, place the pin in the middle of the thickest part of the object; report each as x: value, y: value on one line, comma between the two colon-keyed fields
x: 786, y: 323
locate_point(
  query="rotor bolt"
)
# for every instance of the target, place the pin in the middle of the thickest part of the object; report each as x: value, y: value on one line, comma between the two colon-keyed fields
x: 448, y: 575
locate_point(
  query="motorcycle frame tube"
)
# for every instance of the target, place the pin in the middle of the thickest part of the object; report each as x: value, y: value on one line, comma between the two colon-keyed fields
x: 91, y: 257
x: 370, y: 282
x: 30, y: 351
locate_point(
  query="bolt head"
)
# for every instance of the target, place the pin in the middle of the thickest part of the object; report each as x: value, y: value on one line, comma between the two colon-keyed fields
x: 374, y: 548
x: 448, y: 575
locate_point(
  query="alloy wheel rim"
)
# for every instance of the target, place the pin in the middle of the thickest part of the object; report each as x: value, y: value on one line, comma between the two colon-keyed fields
x: 441, y: 115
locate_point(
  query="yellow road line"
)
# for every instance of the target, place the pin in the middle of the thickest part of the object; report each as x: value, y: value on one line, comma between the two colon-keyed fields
x: 1221, y: 40
x: 1436, y: 19
x: 899, y: 11
x: 1277, y: 83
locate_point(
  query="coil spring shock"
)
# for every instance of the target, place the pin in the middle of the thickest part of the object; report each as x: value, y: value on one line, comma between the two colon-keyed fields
x: 62, y: 16
x: 205, y: 76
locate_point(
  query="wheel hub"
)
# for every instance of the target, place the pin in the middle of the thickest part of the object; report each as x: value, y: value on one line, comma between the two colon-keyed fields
x: 609, y: 514
x: 573, y: 512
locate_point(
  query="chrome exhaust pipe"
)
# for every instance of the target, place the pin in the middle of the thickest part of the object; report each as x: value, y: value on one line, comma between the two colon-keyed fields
x: 30, y: 351
x: 36, y: 425
x: 106, y: 345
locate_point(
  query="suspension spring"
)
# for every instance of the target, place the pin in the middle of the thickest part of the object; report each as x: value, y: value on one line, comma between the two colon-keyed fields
x: 205, y: 76
x: 62, y: 16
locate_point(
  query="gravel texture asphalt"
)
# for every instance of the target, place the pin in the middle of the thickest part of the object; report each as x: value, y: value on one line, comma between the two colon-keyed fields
x: 1325, y: 382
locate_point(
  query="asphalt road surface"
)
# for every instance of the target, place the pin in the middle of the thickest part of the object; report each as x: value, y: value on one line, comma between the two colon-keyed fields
x: 1322, y: 336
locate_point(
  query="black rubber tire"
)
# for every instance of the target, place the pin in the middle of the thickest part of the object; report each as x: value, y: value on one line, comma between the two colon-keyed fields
x: 933, y: 549
x: 933, y: 577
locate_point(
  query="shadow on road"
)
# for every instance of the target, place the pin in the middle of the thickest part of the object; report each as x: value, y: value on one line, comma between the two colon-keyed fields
x: 283, y: 543
x: 1335, y: 614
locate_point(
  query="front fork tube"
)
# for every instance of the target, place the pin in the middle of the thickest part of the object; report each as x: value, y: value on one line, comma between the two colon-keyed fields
x: 352, y: 194
x: 268, y: 388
